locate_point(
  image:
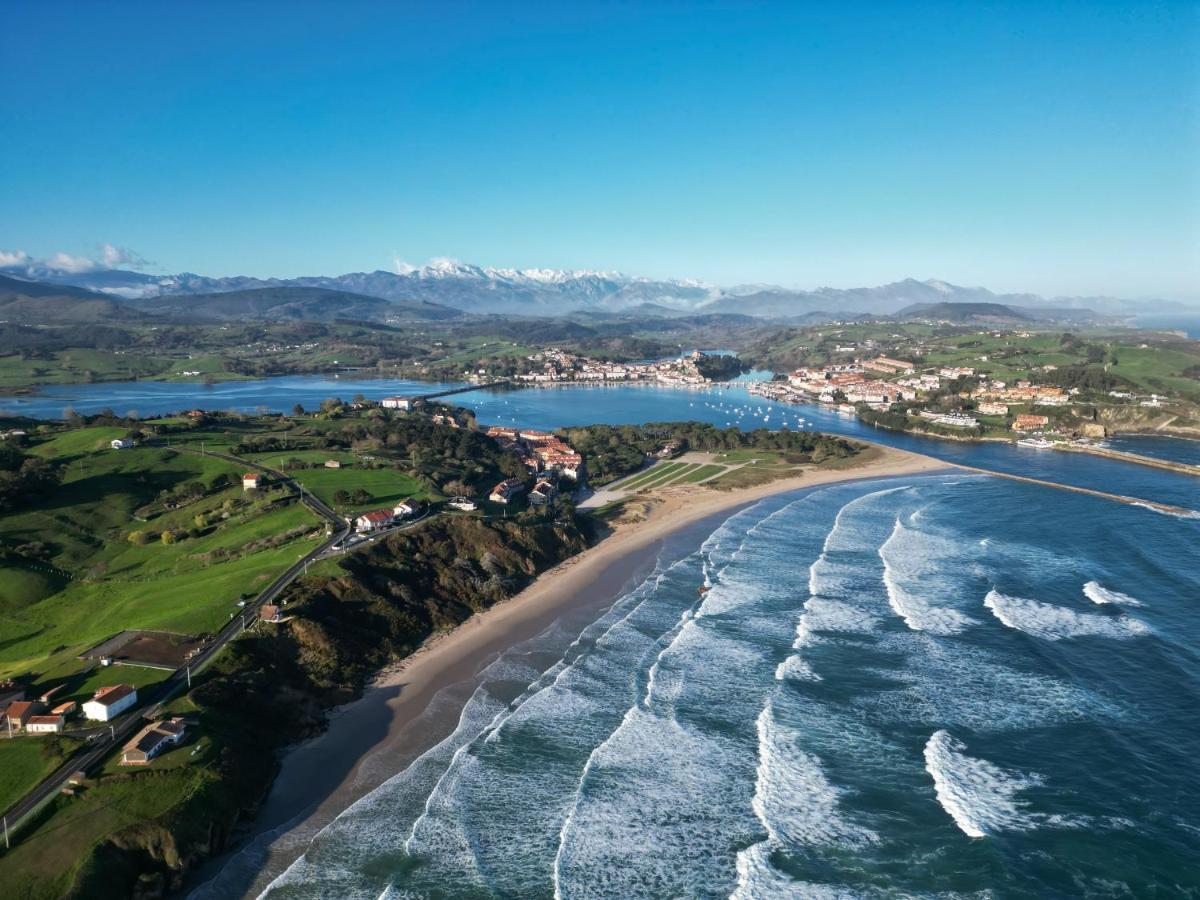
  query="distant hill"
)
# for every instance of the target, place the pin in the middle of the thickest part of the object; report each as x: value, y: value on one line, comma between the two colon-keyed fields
x: 963, y: 312
x: 311, y: 304
x: 35, y: 303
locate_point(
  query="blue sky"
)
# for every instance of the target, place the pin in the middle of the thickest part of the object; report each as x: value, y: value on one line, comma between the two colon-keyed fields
x: 1041, y: 146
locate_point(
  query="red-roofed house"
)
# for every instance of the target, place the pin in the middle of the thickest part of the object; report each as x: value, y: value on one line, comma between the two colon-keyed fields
x: 374, y: 520
x: 251, y: 481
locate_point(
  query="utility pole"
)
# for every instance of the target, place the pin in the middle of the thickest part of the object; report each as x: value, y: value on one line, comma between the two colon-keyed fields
x: 6, y: 844
x: 189, y: 676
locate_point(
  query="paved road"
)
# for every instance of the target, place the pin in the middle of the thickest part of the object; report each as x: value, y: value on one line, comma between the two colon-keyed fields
x: 128, y: 725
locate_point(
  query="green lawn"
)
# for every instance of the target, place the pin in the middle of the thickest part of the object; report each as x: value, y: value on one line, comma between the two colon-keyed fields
x: 700, y: 473
x: 651, y: 474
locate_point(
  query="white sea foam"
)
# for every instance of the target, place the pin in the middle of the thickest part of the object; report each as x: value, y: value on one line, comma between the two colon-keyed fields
x: 914, y: 565
x: 953, y: 684
x: 795, y: 668
x: 797, y: 807
x: 1101, y: 595
x: 1053, y: 623
x: 980, y: 797
x: 1181, y: 514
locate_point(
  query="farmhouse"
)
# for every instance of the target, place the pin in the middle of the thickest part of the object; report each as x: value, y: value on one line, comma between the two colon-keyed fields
x: 45, y: 724
x: 152, y: 740
x: 405, y: 508
x: 251, y: 481
x: 333, y: 464
x: 21, y: 711
x: 374, y: 520
x: 121, y: 443
x: 466, y: 504
x: 108, y: 703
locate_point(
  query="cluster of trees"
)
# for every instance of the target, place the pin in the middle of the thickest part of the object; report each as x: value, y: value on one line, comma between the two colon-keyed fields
x: 1088, y: 378
x: 721, y: 368
x: 23, y: 476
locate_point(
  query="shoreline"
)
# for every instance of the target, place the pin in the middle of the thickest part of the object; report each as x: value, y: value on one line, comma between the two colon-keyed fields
x: 372, y: 738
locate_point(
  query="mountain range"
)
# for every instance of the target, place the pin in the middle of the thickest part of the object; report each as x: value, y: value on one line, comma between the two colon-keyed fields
x: 426, y: 292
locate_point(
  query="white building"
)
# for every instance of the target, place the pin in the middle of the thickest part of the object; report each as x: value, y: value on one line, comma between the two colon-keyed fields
x: 108, y: 703
x: 121, y: 443
x: 404, y: 403
x: 45, y: 724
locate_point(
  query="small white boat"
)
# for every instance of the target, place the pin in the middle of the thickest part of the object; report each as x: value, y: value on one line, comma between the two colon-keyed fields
x: 1035, y: 443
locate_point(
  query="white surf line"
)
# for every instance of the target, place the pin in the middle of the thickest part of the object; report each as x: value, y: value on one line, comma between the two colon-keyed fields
x: 917, y: 613
x: 1102, y: 596
x: 559, y: 667
x: 1053, y: 623
x: 686, y: 621
x: 980, y: 797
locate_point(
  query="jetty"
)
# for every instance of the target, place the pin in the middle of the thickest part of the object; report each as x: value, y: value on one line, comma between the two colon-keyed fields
x: 1167, y: 508
x: 502, y: 382
x: 1168, y: 465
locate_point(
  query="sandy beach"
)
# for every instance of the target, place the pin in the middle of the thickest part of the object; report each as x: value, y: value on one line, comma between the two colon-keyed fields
x: 371, y: 739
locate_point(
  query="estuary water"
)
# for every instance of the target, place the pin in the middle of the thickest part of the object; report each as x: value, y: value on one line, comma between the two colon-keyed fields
x: 949, y: 685
x: 555, y: 407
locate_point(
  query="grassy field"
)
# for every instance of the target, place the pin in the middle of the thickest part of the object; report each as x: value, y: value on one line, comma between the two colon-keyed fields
x: 386, y: 484
x: 74, y: 366
x: 639, y: 478
x: 24, y: 761
x: 46, y: 862
x: 85, y: 579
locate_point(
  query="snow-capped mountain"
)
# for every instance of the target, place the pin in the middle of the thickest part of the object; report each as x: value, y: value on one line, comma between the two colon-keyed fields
x: 555, y: 292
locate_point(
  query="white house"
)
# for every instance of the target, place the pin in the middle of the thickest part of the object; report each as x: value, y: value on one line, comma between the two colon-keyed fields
x: 466, y: 504
x: 108, y: 703
x: 251, y: 481
x: 121, y: 443
x: 404, y: 509
x: 374, y: 520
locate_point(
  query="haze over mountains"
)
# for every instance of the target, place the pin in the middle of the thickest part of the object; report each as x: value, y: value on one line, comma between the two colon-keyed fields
x: 442, y: 287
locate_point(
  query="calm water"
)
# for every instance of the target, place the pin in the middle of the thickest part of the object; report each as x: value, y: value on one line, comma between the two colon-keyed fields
x: 550, y: 408
x: 917, y: 686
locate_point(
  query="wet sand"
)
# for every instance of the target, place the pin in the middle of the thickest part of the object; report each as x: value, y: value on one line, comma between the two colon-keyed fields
x: 415, y: 703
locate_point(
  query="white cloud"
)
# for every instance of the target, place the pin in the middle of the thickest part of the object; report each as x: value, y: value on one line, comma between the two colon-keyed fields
x: 110, y: 257
x: 65, y: 262
x: 113, y: 257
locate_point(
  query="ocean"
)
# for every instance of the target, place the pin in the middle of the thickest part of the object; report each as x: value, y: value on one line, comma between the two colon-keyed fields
x: 949, y: 685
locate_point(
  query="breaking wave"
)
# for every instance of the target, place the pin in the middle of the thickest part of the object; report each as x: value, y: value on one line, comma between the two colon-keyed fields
x: 1101, y: 595
x: 1054, y: 623
x: 980, y: 797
